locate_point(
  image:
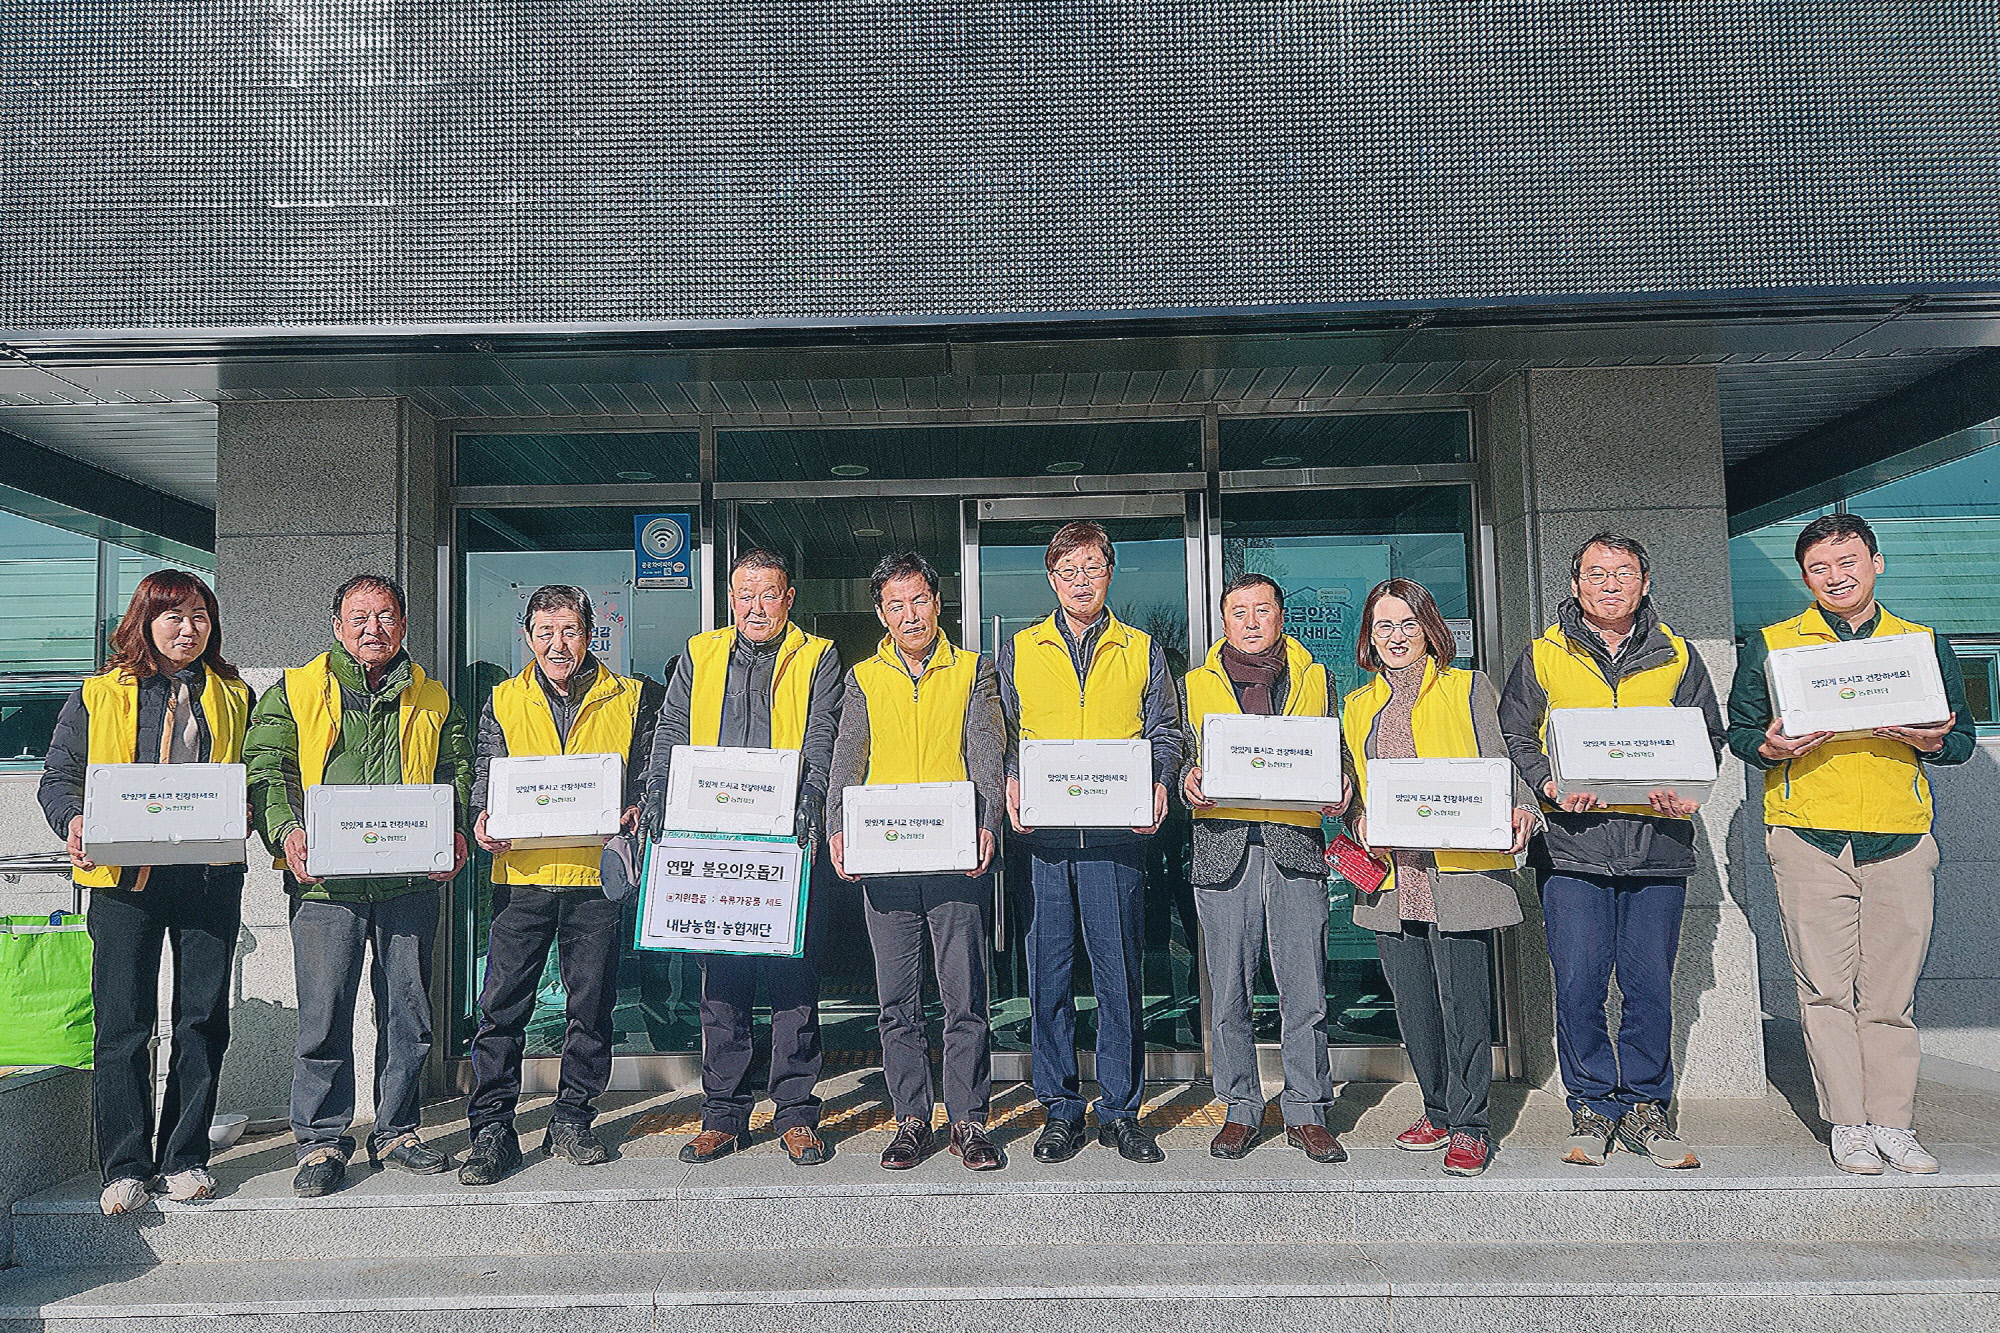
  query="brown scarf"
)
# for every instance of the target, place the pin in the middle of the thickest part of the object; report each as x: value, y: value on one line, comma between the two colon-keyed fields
x: 1258, y: 674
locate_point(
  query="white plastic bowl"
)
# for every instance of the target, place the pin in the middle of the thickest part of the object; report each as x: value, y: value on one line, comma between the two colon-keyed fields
x: 226, y: 1129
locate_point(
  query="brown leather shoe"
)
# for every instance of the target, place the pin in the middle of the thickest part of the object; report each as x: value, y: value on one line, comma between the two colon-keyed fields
x: 971, y: 1146
x: 806, y: 1147
x: 1315, y: 1142
x: 1232, y: 1140
x: 711, y: 1144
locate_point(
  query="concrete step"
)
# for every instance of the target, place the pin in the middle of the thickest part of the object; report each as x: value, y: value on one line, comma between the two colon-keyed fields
x: 757, y: 1202
x: 1850, y: 1287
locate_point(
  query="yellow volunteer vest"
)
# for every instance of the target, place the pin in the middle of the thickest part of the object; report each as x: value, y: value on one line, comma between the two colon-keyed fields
x: 314, y: 698
x: 1866, y: 784
x: 916, y: 726
x: 1442, y: 727
x: 1209, y: 691
x: 791, y: 685
x: 1105, y: 706
x: 1573, y: 679
x: 111, y: 701
x: 604, y: 722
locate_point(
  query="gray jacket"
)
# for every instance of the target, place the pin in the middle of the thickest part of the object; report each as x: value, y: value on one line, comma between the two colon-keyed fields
x: 1218, y: 845
x: 984, y: 744
x: 1471, y: 900
x: 1608, y: 843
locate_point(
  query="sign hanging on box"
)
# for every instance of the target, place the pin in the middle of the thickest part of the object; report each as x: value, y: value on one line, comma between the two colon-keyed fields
x: 663, y: 548
x: 723, y: 894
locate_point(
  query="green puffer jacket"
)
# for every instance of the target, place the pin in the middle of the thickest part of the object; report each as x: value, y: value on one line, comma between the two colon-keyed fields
x: 368, y: 750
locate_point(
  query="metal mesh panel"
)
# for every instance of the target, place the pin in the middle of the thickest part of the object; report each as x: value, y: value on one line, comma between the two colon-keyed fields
x: 251, y: 162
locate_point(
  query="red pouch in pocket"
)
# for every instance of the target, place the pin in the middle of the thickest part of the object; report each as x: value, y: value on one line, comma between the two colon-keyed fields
x: 1352, y: 863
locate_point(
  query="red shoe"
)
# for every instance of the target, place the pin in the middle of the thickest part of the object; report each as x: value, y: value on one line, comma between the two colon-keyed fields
x: 1467, y: 1156
x: 1422, y: 1137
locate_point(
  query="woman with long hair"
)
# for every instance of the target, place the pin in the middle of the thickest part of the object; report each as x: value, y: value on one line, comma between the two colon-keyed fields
x: 1435, y: 913
x: 166, y: 696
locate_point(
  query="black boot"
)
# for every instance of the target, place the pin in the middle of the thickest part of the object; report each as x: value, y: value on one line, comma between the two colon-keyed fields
x: 575, y: 1143
x: 496, y: 1153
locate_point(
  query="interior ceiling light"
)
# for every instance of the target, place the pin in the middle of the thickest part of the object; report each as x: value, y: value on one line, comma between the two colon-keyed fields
x: 1066, y: 465
x: 1283, y: 460
x: 849, y: 470
x: 1045, y: 527
x: 868, y: 532
x: 635, y: 476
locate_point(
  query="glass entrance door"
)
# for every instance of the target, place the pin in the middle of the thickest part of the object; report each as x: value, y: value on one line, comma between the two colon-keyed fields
x: 1159, y: 565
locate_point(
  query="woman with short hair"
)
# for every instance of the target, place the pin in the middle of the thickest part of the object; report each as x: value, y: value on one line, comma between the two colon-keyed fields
x: 166, y: 696
x: 1435, y: 913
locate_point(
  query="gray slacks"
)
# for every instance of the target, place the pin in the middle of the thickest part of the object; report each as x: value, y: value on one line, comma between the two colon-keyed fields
x: 328, y: 943
x: 1263, y: 903
x: 950, y: 911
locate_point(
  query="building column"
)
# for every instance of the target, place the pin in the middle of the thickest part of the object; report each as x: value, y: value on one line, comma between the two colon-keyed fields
x: 309, y: 494
x: 1570, y: 453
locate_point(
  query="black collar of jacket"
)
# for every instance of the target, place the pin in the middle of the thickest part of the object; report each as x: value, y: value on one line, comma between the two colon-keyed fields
x: 1647, y: 647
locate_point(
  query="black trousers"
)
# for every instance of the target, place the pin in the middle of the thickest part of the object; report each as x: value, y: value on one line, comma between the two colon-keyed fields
x: 728, y: 992
x: 585, y: 927
x: 196, y: 911
x: 1443, y: 986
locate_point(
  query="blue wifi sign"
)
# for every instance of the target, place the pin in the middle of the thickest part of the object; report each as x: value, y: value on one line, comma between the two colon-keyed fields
x: 664, y: 553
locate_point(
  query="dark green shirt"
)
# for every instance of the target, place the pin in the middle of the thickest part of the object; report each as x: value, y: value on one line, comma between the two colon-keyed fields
x: 1750, y: 712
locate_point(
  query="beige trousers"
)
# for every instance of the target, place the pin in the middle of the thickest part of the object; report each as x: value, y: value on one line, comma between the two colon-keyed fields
x: 1858, y: 936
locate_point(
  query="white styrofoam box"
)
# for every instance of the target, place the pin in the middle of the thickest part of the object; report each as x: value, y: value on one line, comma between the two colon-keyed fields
x: 392, y: 828
x: 1852, y: 688
x: 1086, y: 784
x: 1282, y: 763
x: 558, y: 800
x: 718, y: 789
x: 164, y: 814
x: 1623, y: 755
x: 909, y: 828
x: 1435, y: 804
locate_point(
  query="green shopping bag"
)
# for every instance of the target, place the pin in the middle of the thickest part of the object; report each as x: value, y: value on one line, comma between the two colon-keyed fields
x: 45, y: 1009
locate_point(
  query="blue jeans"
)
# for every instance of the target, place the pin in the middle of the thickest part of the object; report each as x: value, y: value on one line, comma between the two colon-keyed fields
x: 1597, y: 924
x: 1101, y: 889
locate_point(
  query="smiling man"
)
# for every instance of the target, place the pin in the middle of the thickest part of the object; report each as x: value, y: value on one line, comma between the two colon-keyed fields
x: 1614, y: 878
x: 1260, y: 881
x: 1849, y: 837
x: 924, y: 710
x: 1082, y: 674
x: 360, y: 713
x: 565, y: 702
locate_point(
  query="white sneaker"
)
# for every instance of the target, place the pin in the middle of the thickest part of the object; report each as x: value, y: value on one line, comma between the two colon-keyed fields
x: 190, y: 1186
x: 1900, y: 1149
x: 123, y: 1196
x: 1854, y: 1150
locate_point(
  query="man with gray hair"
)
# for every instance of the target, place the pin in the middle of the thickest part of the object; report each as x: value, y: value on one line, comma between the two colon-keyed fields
x: 564, y: 702
x: 361, y: 713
